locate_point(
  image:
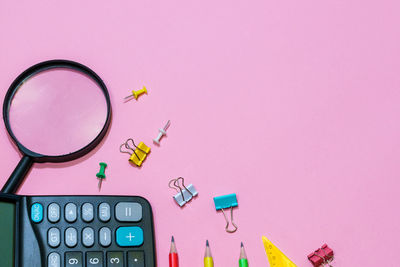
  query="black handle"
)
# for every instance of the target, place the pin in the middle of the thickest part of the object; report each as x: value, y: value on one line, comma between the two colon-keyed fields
x: 18, y: 175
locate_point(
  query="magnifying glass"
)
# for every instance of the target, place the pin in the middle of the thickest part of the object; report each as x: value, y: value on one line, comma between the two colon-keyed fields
x: 55, y: 111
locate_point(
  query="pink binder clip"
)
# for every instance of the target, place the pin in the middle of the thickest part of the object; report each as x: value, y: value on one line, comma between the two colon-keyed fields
x: 322, y: 256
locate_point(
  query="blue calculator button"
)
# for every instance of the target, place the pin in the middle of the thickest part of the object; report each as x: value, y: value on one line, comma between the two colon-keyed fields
x: 37, y: 213
x: 130, y: 236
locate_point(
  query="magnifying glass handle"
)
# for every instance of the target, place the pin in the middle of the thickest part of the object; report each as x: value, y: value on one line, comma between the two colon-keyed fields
x: 18, y: 175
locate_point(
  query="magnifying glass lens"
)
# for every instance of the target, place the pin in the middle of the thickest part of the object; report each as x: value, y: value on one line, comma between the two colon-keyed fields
x: 57, y: 111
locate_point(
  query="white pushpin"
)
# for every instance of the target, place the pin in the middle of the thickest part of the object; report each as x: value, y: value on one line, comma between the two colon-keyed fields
x: 162, y: 132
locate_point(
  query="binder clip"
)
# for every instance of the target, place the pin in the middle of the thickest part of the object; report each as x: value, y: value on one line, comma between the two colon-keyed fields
x: 225, y: 202
x: 184, y: 194
x: 322, y: 256
x: 275, y: 257
x: 138, y: 154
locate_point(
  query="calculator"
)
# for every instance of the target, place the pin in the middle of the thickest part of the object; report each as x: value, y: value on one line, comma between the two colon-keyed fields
x: 76, y: 231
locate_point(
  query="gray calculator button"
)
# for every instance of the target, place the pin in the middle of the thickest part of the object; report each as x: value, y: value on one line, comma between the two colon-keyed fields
x: 105, y: 236
x: 53, y: 212
x: 54, y: 260
x: 94, y: 259
x: 53, y: 237
x: 88, y: 237
x: 73, y: 259
x: 128, y: 212
x: 115, y: 259
x: 104, y: 212
x: 70, y: 212
x: 87, y: 212
x: 71, y: 237
x: 136, y: 259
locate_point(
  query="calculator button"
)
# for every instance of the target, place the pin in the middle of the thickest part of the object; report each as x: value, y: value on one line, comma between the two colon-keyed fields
x: 53, y: 212
x: 37, y: 212
x: 135, y: 259
x: 54, y: 260
x: 128, y: 212
x: 94, y: 259
x: 53, y: 237
x: 115, y: 259
x: 71, y: 237
x: 88, y: 237
x: 70, y: 212
x: 73, y: 259
x: 87, y: 212
x: 104, y: 212
x: 105, y: 236
x: 130, y: 236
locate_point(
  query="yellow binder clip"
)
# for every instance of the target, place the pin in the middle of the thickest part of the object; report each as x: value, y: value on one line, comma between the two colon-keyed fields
x: 138, y: 154
x: 275, y: 257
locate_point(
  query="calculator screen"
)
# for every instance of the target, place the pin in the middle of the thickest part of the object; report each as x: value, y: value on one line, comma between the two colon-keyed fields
x: 7, y: 228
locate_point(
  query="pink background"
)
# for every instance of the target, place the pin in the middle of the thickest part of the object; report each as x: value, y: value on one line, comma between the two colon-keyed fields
x: 293, y: 105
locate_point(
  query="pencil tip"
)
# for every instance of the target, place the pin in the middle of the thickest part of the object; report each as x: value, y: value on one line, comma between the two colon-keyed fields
x: 241, y: 244
x: 172, y: 239
x: 207, y: 244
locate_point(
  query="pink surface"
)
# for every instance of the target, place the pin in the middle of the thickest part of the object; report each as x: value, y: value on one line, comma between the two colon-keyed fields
x: 57, y: 112
x: 293, y: 105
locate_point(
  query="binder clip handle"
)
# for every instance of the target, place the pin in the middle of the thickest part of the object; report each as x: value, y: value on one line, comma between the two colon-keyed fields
x: 225, y: 202
x: 129, y: 148
x: 184, y: 194
x: 227, y: 222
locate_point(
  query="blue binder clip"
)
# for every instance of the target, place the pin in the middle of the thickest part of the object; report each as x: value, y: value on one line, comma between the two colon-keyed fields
x: 226, y: 202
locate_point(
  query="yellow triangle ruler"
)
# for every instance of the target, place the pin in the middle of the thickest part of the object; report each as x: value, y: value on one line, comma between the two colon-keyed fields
x: 275, y: 257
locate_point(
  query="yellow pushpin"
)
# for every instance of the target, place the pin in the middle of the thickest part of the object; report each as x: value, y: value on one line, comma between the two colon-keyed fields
x: 275, y: 257
x: 137, y: 93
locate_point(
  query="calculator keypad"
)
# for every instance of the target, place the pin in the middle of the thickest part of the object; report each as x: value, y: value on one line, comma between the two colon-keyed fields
x: 94, y: 259
x: 115, y: 259
x: 71, y: 237
x: 54, y: 260
x: 104, y: 212
x: 73, y: 259
x: 135, y: 259
x: 37, y: 212
x: 53, y: 237
x: 53, y: 212
x: 128, y: 212
x: 98, y: 234
x: 70, y: 212
x: 129, y: 236
x: 88, y: 236
x: 87, y: 212
x: 105, y: 236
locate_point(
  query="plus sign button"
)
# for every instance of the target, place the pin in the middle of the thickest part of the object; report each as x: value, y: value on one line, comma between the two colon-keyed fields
x: 130, y: 236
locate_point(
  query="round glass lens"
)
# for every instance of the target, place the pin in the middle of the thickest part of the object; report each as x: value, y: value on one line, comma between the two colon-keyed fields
x: 57, y: 111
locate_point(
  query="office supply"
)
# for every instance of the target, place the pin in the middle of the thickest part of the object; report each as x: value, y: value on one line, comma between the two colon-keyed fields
x: 185, y: 194
x: 161, y: 133
x: 138, y: 154
x: 46, y: 130
x: 71, y: 231
x: 275, y: 257
x: 136, y: 94
x: 243, y: 262
x: 101, y: 175
x: 322, y: 256
x: 225, y: 202
x: 208, y: 260
x: 173, y: 254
